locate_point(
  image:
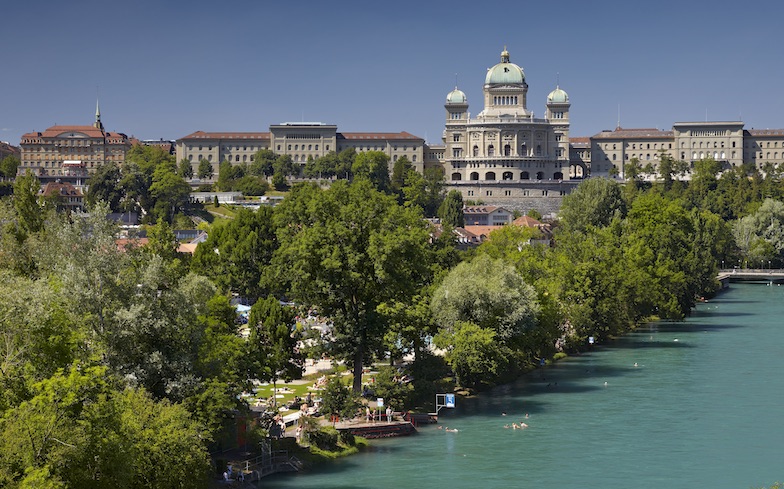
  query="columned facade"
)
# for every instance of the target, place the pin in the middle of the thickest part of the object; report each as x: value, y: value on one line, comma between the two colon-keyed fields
x: 505, y: 143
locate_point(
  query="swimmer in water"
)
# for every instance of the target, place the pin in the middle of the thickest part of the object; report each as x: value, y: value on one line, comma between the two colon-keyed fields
x: 635, y: 364
x: 523, y: 426
x: 605, y: 384
x: 526, y: 415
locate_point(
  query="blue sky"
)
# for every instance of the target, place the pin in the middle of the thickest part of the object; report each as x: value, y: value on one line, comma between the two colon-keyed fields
x: 166, y: 69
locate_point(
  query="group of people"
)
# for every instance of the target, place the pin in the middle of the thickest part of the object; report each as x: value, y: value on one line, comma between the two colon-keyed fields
x: 523, y: 425
x: 370, y: 414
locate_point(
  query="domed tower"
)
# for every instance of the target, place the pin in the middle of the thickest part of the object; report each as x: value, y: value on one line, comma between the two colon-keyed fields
x: 505, y: 90
x: 454, y: 136
x: 558, y: 115
x: 558, y: 104
x: 456, y: 106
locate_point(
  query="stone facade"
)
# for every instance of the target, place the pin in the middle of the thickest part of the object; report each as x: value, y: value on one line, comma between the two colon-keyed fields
x: 299, y: 140
x: 505, y: 143
x: 726, y: 142
x: 71, y: 153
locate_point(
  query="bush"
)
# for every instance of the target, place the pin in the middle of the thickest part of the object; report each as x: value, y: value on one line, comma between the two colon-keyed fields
x: 325, y: 438
x: 346, y: 438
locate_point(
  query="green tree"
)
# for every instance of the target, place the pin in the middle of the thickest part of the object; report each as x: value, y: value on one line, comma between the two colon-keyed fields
x: 80, y: 429
x: 162, y: 241
x: 451, y: 210
x: 345, y: 163
x: 474, y: 354
x: 285, y: 166
x: 205, y: 169
x: 272, y: 343
x: 374, y: 166
x: 104, y: 185
x: 766, y: 225
x: 185, y: 169
x: 29, y: 212
x: 169, y: 192
x: 337, y: 399
x: 347, y: 250
x: 488, y: 293
x: 400, y: 170
x: 424, y: 191
x: 263, y: 162
x: 227, y: 175
x: 135, y: 187
x: 8, y: 167
x: 595, y: 202
x: 237, y: 253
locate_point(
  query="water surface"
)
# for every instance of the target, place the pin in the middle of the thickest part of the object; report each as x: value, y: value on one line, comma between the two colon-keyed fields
x: 702, y: 408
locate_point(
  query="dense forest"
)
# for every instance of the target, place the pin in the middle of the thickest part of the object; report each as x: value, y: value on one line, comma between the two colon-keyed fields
x: 119, y: 367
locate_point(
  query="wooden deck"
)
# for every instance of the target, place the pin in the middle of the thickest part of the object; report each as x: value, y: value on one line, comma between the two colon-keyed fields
x: 378, y: 429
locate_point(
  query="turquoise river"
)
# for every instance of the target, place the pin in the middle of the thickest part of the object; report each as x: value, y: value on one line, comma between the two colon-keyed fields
x: 703, y: 407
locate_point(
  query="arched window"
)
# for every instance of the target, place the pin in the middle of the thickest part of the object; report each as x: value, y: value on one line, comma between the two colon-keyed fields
x: 538, y: 150
x: 476, y: 151
x: 474, y: 175
x: 490, y: 175
x: 539, y: 175
x: 525, y: 176
x: 524, y: 150
x: 558, y: 175
x: 507, y: 150
x: 491, y: 150
x: 507, y: 175
x: 456, y: 176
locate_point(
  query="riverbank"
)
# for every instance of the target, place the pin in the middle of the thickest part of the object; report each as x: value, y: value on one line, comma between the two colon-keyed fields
x: 697, y: 411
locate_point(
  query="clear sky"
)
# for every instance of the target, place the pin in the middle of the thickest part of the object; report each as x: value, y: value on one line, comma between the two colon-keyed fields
x: 164, y: 69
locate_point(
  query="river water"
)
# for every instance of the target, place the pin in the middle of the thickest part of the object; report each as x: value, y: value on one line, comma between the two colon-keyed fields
x: 703, y: 407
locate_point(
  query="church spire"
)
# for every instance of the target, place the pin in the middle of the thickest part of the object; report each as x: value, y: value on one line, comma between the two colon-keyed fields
x: 97, y: 124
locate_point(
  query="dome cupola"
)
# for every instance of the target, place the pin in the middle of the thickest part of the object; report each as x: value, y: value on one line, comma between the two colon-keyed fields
x: 558, y: 96
x: 456, y: 96
x: 505, y: 72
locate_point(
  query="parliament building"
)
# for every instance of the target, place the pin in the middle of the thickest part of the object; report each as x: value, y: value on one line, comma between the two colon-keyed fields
x: 505, y: 153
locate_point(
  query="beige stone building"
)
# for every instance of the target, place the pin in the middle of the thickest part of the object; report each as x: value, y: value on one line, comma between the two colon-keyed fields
x: 725, y: 141
x: 71, y: 153
x: 300, y: 140
x: 506, y: 142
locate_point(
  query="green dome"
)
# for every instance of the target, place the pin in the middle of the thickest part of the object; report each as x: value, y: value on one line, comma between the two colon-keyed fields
x: 505, y: 72
x: 558, y: 96
x: 456, y: 97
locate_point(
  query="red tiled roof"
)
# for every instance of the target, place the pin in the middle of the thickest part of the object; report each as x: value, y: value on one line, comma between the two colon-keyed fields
x: 226, y: 135
x: 633, y: 133
x: 60, y: 188
x: 482, y: 230
x: 90, y: 131
x: 526, y: 221
x: 580, y: 140
x: 766, y: 132
x: 124, y: 244
x: 480, y: 209
x: 376, y: 135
